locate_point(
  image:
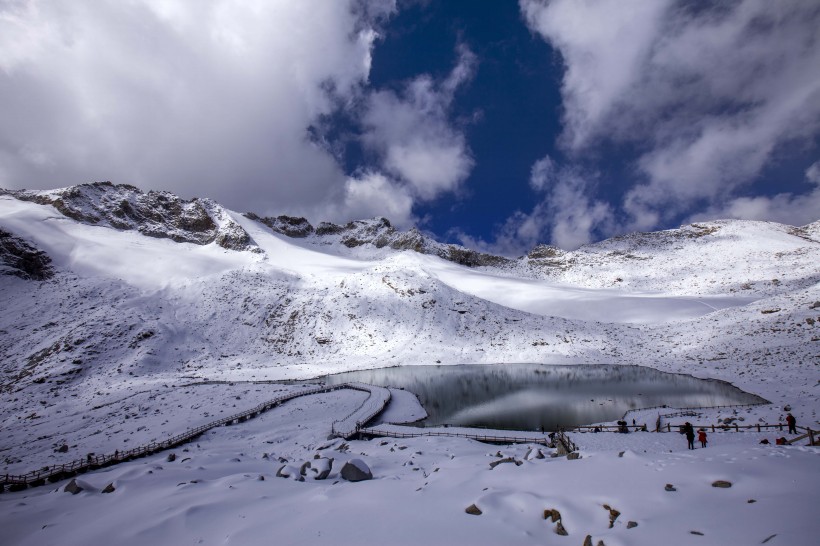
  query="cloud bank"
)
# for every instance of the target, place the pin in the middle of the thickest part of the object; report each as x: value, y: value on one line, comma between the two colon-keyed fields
x: 216, y: 99
x: 707, y: 95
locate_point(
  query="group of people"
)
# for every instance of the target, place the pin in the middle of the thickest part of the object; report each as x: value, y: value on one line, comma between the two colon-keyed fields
x: 689, y: 431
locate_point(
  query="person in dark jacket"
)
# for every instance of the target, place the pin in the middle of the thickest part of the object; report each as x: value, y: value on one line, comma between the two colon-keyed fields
x: 689, y: 431
x: 792, y: 422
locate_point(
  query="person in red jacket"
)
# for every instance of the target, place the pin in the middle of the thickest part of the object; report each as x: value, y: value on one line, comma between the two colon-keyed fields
x: 702, y: 437
x: 792, y: 422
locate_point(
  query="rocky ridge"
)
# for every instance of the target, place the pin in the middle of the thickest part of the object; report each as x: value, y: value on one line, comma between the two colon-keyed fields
x: 154, y: 213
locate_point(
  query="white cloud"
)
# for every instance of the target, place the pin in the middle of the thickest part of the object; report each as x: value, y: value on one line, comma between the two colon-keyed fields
x: 566, y: 215
x: 709, y: 94
x: 210, y: 99
x: 373, y: 194
x: 786, y: 208
x: 413, y: 136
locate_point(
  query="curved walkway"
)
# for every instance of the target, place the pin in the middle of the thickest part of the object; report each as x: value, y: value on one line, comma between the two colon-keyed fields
x: 346, y: 427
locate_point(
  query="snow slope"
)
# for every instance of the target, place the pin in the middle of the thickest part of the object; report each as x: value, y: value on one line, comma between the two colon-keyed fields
x: 104, y: 353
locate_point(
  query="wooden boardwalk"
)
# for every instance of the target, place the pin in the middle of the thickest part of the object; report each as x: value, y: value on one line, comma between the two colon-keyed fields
x: 372, y: 406
x: 480, y: 434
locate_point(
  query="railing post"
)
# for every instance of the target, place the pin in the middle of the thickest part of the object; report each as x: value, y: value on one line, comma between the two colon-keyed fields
x: 811, y: 436
x: 758, y: 427
x: 713, y: 428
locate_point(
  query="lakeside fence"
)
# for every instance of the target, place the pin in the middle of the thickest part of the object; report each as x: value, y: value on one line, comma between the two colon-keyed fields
x: 58, y: 472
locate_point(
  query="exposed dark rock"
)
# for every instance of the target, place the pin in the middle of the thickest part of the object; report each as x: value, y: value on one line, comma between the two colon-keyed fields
x: 552, y: 514
x: 171, y: 457
x: 505, y: 460
x: 560, y: 530
x: 631, y: 524
x: 669, y: 487
x: 356, y: 470
x: 154, y: 214
x: 109, y: 488
x: 573, y: 456
x: 588, y: 541
x: 72, y: 487
x: 63, y: 448
x: 290, y: 226
x: 288, y: 471
x: 22, y: 259
x: 722, y: 484
x: 473, y: 510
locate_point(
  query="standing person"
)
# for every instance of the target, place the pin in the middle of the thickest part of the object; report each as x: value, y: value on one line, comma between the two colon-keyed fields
x: 702, y: 437
x: 792, y: 422
x: 690, y: 434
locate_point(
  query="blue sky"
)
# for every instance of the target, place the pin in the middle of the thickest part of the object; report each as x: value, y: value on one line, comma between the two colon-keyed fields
x: 498, y: 125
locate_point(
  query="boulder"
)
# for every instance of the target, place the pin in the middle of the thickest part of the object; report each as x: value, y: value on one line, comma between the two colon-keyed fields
x: 552, y: 514
x: 171, y: 457
x: 631, y: 524
x: 355, y: 470
x: 573, y: 456
x: 505, y: 460
x: 321, y: 468
x: 72, y: 487
x: 109, y: 488
x: 63, y: 448
x: 288, y: 471
x: 473, y: 510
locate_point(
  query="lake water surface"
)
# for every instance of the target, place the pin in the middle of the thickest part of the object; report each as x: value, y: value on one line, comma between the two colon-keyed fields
x: 532, y: 396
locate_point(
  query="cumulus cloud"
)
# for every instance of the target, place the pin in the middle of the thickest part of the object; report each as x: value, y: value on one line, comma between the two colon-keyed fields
x: 412, y: 134
x: 786, y: 208
x: 709, y: 94
x: 209, y: 99
x: 565, y: 215
x: 373, y: 193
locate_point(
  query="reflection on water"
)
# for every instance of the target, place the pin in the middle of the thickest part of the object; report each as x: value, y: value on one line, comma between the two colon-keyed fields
x: 532, y: 396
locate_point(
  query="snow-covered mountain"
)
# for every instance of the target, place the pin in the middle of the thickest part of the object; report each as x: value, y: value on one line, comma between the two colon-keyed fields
x: 106, y: 286
x: 117, y: 304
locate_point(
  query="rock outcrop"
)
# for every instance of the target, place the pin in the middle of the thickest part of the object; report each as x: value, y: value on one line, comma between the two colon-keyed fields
x: 22, y: 259
x: 154, y: 214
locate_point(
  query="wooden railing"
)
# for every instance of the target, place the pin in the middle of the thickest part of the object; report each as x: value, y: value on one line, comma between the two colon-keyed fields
x: 91, y: 462
x: 481, y: 437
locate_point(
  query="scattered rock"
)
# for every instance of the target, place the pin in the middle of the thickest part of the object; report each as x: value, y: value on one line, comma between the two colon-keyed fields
x: 171, y: 457
x: 751, y: 501
x: 321, y: 468
x: 72, y: 487
x: 553, y: 514
x: 288, y: 471
x: 669, y: 487
x: 573, y: 456
x: 696, y: 533
x: 305, y: 466
x: 631, y: 524
x: 355, y: 470
x: 559, y: 529
x: 261, y: 478
x: 588, y: 541
x: 621, y: 454
x: 722, y: 484
x: 505, y: 460
x: 473, y: 510
x: 109, y: 488
x: 613, y: 515
x: 63, y: 448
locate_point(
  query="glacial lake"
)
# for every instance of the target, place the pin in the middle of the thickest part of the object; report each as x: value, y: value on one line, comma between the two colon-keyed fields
x: 532, y: 396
